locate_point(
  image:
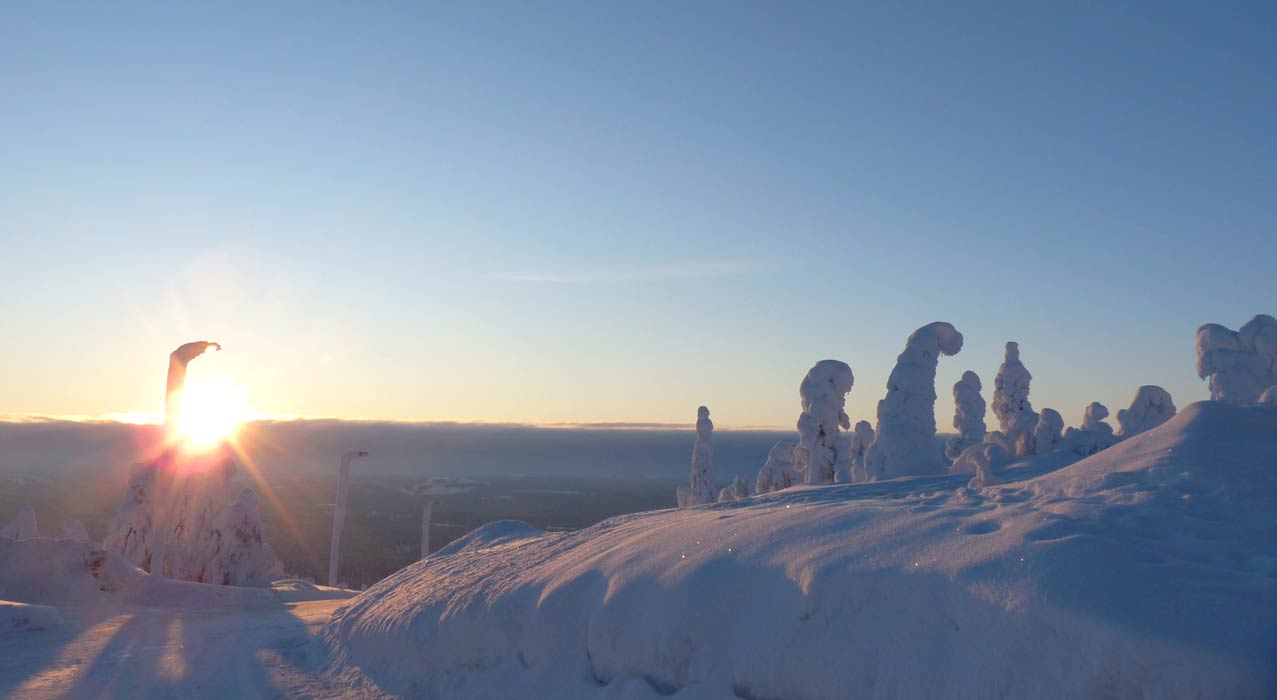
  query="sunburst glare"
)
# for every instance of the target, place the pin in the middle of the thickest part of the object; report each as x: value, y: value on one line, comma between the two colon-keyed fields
x: 212, y: 410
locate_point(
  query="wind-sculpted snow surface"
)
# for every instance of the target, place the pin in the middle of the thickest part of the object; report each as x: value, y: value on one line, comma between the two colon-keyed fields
x: 822, y: 451
x: 905, y: 444
x: 968, y: 416
x: 1143, y: 571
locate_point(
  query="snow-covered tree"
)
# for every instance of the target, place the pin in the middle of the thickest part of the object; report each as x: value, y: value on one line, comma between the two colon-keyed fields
x: 738, y: 490
x: 22, y: 528
x: 1094, y: 435
x: 987, y: 461
x: 1240, y: 364
x: 241, y: 556
x: 700, y: 487
x: 862, y: 436
x: 74, y: 530
x: 1151, y: 407
x: 906, y: 439
x: 1048, y: 433
x: 130, y: 532
x: 778, y: 471
x: 204, y: 495
x: 339, y: 511
x: 968, y: 415
x: 1016, y: 417
x: 821, y: 450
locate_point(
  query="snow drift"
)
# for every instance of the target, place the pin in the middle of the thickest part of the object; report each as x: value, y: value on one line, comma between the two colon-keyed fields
x: 1054, y: 585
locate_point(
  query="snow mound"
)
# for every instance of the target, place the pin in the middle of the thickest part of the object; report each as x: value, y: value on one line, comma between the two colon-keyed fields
x: 23, y: 617
x: 1147, y: 570
x: 45, y: 570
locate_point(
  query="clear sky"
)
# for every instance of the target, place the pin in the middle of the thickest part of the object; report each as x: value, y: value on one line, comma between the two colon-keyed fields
x: 578, y: 212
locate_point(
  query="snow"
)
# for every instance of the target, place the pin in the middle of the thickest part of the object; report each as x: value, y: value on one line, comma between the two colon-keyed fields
x: 74, y: 530
x: 129, y: 533
x: 1094, y: 435
x: 1048, y: 433
x: 1147, y: 570
x: 22, y: 528
x: 700, y: 488
x: 1241, y: 365
x: 1016, y: 418
x: 821, y: 452
x: 240, y: 556
x: 905, y: 441
x: 778, y: 471
x: 1151, y: 407
x: 968, y: 415
x: 24, y: 617
x: 862, y: 436
x: 1269, y: 397
x: 738, y: 490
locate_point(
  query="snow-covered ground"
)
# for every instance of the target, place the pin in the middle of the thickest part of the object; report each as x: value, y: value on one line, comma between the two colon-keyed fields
x: 1148, y: 570
x: 86, y: 624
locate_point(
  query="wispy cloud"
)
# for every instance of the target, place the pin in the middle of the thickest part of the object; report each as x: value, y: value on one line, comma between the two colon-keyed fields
x: 679, y: 270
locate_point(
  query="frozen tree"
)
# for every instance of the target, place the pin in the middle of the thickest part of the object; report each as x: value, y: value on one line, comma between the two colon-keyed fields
x: 1048, y: 433
x: 738, y: 490
x: 1269, y: 397
x: 862, y: 436
x: 164, y: 501
x: 339, y: 511
x: 987, y: 461
x: 130, y: 532
x: 1151, y: 407
x: 1093, y: 418
x: 906, y: 439
x: 203, y: 497
x: 22, y: 528
x: 1015, y: 414
x: 241, y: 557
x: 968, y: 415
x: 700, y: 487
x: 74, y: 530
x: 1094, y: 435
x: 1241, y: 364
x: 821, y: 451
x: 426, y: 511
x: 778, y: 471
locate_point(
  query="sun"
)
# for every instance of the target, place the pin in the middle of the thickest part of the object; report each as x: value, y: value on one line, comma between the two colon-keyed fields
x: 211, y: 412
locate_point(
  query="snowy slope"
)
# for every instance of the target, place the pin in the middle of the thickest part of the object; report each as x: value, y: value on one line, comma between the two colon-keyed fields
x: 1148, y: 570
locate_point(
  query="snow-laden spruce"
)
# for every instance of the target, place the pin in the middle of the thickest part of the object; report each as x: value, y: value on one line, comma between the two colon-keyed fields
x: 1151, y: 407
x: 22, y: 528
x: 906, y: 439
x: 1048, y: 434
x: 205, y: 492
x: 130, y: 532
x: 778, y: 471
x: 738, y: 490
x: 241, y: 556
x: 1241, y: 365
x: 339, y: 512
x: 968, y: 415
x: 1016, y: 417
x: 822, y: 451
x: 1094, y: 435
x: 862, y: 436
x: 700, y: 487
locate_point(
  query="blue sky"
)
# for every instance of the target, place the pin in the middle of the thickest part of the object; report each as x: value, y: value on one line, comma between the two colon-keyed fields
x: 591, y: 212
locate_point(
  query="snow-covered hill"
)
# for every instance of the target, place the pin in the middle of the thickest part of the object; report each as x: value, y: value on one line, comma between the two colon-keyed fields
x: 1148, y: 570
